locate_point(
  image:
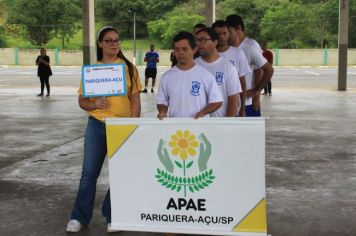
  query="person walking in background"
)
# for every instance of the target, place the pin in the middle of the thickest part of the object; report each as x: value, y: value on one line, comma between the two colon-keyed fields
x: 173, y: 59
x: 224, y: 72
x: 269, y: 57
x: 152, y: 58
x: 100, y: 108
x: 261, y: 70
x: 43, y: 71
x: 187, y: 89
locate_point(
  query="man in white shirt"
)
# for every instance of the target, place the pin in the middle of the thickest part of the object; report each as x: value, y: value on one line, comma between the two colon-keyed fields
x: 187, y: 89
x: 237, y: 58
x: 262, y: 71
x: 224, y: 72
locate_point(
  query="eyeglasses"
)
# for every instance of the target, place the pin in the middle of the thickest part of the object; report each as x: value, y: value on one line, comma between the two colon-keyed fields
x: 112, y: 41
x: 203, y: 40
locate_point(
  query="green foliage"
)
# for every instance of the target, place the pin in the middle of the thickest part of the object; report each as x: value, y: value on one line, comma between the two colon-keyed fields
x: 194, y: 183
x: 250, y: 10
x: 292, y: 33
x: 165, y: 29
x: 66, y: 12
x: 283, y: 23
x: 2, y: 38
x: 41, y: 20
x: 119, y: 13
x: 352, y: 25
x: 156, y: 9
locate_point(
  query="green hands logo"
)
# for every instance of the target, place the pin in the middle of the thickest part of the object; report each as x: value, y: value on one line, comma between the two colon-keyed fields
x: 183, y: 145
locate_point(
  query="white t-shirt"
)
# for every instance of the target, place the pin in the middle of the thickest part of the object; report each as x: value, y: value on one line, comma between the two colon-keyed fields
x: 226, y: 78
x: 238, y: 59
x: 255, y: 59
x: 186, y: 92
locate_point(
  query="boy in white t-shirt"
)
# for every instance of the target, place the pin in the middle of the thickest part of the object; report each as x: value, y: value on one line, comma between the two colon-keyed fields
x: 187, y: 89
x: 262, y: 71
x: 237, y: 58
x: 224, y: 72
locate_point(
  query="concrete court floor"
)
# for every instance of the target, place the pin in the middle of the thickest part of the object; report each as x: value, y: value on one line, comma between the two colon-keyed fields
x: 310, y: 161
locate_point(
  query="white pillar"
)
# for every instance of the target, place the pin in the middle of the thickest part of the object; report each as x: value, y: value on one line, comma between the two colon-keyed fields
x: 89, y: 43
x: 134, y: 38
x: 209, y: 12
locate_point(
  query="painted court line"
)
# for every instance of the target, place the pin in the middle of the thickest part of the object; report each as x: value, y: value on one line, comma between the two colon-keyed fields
x: 311, y: 72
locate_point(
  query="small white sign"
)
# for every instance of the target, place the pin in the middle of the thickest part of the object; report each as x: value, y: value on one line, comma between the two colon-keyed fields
x: 104, y: 80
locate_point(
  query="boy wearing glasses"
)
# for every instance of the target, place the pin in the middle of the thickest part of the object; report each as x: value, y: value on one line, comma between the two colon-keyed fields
x: 224, y: 72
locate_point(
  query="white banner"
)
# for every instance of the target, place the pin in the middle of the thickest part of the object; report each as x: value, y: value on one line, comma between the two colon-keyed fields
x: 103, y: 80
x: 204, y: 176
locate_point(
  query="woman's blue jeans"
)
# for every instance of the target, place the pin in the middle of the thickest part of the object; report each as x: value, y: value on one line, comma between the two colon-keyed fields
x: 94, y: 156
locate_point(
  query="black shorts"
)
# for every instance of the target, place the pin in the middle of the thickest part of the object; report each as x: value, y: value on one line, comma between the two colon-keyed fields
x: 150, y: 73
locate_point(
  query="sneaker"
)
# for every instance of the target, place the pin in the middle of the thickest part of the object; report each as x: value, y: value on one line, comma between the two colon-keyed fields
x: 270, y: 94
x: 144, y: 91
x: 263, y: 93
x: 40, y: 95
x: 47, y: 95
x: 110, y: 230
x: 152, y: 91
x: 74, y: 226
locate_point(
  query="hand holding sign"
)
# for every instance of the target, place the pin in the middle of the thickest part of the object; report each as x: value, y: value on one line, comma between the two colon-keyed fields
x: 101, y: 103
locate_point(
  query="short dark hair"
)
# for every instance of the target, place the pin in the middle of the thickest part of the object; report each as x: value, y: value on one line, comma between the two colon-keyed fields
x: 219, y: 23
x: 235, y: 21
x: 212, y: 33
x: 199, y: 25
x: 185, y: 35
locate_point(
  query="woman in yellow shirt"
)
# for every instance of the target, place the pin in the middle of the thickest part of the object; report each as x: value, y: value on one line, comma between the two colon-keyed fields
x: 99, y: 108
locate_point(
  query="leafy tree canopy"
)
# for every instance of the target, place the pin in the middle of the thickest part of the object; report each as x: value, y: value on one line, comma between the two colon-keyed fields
x: 41, y: 20
x: 165, y: 29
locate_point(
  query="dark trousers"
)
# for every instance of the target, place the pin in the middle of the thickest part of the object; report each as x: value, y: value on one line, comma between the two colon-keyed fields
x: 268, y: 88
x: 45, y: 80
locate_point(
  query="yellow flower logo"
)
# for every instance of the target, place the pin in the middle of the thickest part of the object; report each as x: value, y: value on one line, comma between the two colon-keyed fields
x: 183, y: 144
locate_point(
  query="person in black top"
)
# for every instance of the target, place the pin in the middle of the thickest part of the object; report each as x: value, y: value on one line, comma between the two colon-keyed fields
x: 173, y: 59
x: 44, y: 71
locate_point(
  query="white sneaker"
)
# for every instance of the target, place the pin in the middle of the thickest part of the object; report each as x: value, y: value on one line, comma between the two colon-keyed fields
x: 110, y: 230
x: 74, y: 226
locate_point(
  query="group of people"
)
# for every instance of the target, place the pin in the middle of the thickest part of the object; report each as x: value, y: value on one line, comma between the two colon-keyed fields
x: 236, y: 65
x: 219, y: 72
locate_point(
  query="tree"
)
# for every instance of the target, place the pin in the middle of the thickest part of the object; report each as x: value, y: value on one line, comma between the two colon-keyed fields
x: 118, y: 13
x: 66, y: 12
x: 39, y: 19
x: 155, y: 9
x: 287, y: 25
x: 182, y: 18
x: 2, y: 38
x: 352, y: 25
x: 252, y: 11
